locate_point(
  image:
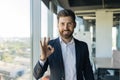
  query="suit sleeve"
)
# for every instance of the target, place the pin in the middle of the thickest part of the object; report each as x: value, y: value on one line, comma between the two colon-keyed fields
x: 39, y: 70
x: 88, y: 72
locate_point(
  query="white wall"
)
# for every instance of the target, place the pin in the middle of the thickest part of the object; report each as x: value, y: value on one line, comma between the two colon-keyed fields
x: 104, y: 23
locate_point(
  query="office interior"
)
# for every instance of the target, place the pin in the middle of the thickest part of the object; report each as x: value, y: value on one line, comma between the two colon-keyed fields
x: 98, y: 24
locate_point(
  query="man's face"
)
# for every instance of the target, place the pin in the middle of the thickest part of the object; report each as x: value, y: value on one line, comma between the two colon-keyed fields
x: 66, y: 27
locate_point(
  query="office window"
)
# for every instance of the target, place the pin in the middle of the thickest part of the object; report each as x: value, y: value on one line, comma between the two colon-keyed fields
x: 44, y: 20
x: 15, y: 48
x: 115, y: 32
x: 55, y: 27
x: 114, y: 37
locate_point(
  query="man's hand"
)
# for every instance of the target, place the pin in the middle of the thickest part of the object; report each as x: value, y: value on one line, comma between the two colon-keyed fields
x: 46, y: 50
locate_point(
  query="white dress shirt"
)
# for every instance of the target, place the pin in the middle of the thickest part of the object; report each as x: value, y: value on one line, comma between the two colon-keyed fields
x: 69, y: 59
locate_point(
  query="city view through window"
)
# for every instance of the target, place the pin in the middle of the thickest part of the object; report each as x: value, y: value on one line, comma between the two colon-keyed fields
x: 15, y: 47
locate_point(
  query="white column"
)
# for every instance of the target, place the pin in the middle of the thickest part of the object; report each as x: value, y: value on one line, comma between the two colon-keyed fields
x: 104, y: 23
x: 35, y: 11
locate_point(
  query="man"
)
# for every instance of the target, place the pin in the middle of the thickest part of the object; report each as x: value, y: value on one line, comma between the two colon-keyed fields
x: 67, y: 57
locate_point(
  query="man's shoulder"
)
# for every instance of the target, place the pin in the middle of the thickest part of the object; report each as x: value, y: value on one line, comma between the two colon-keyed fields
x: 53, y: 41
x: 80, y: 42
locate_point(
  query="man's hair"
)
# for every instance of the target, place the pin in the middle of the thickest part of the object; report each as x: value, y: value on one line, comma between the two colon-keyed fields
x: 66, y: 12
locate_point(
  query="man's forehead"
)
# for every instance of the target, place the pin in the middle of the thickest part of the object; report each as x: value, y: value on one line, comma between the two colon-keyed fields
x: 67, y: 18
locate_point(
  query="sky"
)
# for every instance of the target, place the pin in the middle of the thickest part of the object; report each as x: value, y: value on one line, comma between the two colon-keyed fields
x: 14, y: 18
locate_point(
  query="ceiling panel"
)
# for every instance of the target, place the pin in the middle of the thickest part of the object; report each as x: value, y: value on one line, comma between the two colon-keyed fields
x: 76, y: 3
x: 89, y: 4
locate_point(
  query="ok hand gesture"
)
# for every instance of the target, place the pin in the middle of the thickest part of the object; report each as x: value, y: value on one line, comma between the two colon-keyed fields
x: 46, y: 50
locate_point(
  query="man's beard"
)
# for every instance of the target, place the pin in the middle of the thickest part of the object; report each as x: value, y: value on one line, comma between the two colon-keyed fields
x: 66, y: 36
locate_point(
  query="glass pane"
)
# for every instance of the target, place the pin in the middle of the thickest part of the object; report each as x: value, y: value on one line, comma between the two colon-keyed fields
x: 15, y: 48
x: 115, y: 32
x: 44, y: 20
x: 55, y: 30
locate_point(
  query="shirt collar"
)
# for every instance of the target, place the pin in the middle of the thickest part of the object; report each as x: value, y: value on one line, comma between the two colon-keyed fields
x: 71, y: 42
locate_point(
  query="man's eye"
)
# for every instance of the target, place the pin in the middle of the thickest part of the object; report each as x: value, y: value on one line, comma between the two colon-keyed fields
x: 69, y: 23
x: 62, y: 23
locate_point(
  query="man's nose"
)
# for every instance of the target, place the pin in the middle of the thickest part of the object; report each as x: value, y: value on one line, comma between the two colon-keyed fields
x: 66, y: 27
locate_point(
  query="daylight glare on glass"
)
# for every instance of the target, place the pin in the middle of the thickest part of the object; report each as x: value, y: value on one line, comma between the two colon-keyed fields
x: 15, y: 48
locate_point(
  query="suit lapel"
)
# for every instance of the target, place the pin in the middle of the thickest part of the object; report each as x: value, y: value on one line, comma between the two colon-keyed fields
x: 77, y: 49
x: 59, y: 54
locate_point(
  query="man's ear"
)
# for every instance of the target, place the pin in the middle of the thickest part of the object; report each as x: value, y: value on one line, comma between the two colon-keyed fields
x: 75, y: 25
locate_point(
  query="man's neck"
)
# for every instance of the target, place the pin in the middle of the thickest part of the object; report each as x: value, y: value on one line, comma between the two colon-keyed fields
x: 67, y: 40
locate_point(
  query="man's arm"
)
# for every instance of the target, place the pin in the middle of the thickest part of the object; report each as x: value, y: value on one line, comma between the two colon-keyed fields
x: 40, y: 69
x: 46, y: 51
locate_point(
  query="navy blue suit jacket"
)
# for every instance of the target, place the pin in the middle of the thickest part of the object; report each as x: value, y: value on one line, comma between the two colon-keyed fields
x: 55, y: 61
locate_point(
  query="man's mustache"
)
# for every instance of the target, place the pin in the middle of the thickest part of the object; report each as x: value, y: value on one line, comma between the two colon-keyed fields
x: 66, y: 30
